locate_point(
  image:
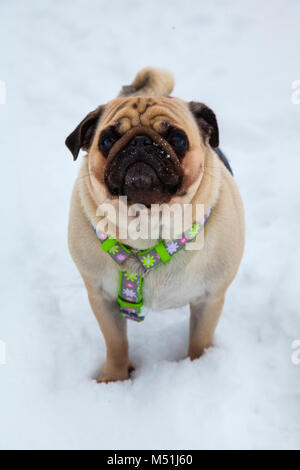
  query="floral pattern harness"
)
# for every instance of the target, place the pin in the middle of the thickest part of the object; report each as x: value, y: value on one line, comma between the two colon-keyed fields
x: 130, y: 296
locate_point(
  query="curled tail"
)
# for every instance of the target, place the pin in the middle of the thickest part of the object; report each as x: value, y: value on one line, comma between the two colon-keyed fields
x: 149, y: 82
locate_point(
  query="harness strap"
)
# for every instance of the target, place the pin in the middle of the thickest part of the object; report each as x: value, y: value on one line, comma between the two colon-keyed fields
x: 116, y: 250
x: 130, y: 296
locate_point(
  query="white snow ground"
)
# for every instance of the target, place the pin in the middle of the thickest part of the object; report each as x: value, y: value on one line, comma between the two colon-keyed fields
x: 59, y: 60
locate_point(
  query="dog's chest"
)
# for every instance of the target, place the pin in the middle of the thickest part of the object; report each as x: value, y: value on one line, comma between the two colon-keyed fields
x: 171, y: 285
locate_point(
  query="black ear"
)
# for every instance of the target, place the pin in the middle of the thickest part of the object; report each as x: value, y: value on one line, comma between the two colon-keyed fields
x: 207, y: 121
x: 82, y: 136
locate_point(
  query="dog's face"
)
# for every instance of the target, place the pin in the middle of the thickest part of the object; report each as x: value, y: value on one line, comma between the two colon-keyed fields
x: 146, y: 148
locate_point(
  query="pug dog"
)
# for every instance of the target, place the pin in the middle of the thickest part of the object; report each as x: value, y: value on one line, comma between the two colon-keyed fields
x: 154, y: 149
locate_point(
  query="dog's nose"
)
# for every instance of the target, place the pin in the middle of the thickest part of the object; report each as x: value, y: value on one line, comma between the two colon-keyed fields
x: 141, y: 141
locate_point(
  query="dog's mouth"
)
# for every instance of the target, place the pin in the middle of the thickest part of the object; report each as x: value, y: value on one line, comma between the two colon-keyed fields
x: 143, y: 167
x: 142, y: 184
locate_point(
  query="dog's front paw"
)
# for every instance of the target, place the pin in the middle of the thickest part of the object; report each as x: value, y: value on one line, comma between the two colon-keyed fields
x: 115, y: 375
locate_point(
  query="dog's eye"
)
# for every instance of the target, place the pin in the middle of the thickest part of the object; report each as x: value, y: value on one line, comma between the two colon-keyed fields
x: 107, y: 140
x: 179, y: 142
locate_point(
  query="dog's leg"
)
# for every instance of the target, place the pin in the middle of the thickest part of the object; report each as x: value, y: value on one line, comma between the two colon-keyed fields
x: 204, y: 319
x: 113, y: 326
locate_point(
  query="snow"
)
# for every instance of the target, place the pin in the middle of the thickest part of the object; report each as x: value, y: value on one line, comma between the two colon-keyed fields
x: 59, y: 60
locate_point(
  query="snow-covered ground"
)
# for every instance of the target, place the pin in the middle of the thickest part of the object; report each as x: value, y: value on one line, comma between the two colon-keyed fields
x: 59, y: 59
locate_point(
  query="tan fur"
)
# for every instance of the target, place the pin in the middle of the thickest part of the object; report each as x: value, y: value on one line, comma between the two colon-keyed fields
x: 199, y: 278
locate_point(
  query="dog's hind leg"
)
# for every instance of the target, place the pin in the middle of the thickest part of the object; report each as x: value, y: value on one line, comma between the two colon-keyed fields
x: 117, y: 366
x: 203, y: 322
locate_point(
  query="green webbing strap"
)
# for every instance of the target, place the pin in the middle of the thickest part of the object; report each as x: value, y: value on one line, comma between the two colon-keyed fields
x: 130, y: 295
x: 162, y: 252
x: 116, y: 250
x: 108, y: 244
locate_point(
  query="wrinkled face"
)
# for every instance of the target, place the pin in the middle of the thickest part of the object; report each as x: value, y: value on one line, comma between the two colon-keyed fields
x: 148, y: 149
x: 143, y: 164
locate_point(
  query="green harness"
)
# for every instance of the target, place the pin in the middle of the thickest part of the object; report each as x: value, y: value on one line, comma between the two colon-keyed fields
x: 130, y: 295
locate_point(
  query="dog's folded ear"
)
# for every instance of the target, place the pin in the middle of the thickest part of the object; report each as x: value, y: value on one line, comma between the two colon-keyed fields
x: 207, y: 122
x: 82, y: 136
